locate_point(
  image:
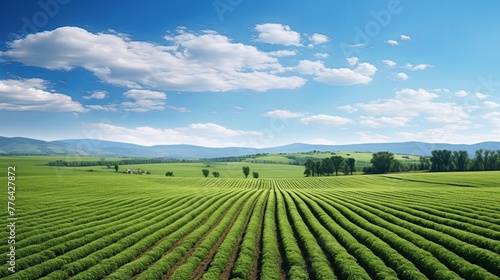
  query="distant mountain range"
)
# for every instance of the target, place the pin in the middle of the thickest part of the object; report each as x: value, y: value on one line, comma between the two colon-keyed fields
x: 92, y: 147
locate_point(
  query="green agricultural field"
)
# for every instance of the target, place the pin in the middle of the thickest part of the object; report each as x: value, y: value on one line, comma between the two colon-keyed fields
x: 75, y: 224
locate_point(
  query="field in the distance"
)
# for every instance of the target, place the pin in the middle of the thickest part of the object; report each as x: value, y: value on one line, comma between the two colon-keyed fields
x: 74, y: 224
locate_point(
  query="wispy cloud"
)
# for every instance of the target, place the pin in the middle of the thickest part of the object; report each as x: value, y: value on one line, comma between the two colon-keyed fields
x: 283, y: 114
x: 325, y: 120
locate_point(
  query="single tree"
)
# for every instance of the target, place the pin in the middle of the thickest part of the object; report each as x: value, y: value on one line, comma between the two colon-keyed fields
x: 351, y: 162
x: 255, y: 175
x: 116, y: 167
x: 205, y: 172
x: 246, y: 171
x: 216, y: 174
x: 381, y: 162
x: 169, y: 173
x: 337, y: 161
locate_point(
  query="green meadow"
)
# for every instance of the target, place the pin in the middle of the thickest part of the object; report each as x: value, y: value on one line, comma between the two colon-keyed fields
x: 95, y: 223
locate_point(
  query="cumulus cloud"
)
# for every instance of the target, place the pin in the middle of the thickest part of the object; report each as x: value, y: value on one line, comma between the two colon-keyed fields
x: 404, y: 37
x: 317, y: 39
x: 144, y: 100
x: 96, y: 94
x: 402, y: 76
x: 375, y: 122
x: 491, y: 104
x: 283, y: 114
x: 188, y: 61
x: 321, y: 55
x: 362, y: 74
x: 352, y: 60
x: 33, y: 95
x: 480, y: 95
x: 203, y: 134
x: 412, y: 103
x: 348, y: 108
x: 276, y: 33
x: 389, y: 63
x: 461, y: 93
x: 392, y: 42
x: 325, y: 120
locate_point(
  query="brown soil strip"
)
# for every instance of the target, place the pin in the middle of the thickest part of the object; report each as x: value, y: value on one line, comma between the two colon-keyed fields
x: 214, y: 248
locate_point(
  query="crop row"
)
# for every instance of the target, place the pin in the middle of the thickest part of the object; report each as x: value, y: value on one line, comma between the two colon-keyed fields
x: 93, y: 243
x: 428, y: 256
x: 161, y: 267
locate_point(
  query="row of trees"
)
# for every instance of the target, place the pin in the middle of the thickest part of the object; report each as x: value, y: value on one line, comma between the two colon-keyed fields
x: 328, y: 166
x: 216, y: 174
x: 484, y: 160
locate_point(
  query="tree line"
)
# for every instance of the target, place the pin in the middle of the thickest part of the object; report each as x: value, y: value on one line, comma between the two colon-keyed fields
x: 330, y: 165
x: 483, y: 160
x: 103, y: 162
x: 384, y: 162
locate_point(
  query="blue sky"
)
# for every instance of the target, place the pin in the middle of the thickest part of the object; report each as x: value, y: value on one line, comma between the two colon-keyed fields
x: 251, y: 73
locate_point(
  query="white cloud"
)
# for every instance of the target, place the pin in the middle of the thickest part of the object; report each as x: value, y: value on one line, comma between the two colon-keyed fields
x: 461, y: 93
x: 481, y: 95
x: 392, y: 42
x: 405, y: 37
x: 417, y: 67
x: 374, y: 122
x: 402, y: 76
x: 203, y: 134
x: 445, y: 134
x: 368, y: 137
x: 283, y: 53
x: 352, y: 60
x: 96, y: 94
x: 357, y: 45
x: 139, y: 94
x: 362, y: 74
x: 179, y: 109
x: 412, y: 103
x: 321, y: 55
x: 493, y: 117
x: 317, y: 38
x: 491, y: 104
x: 283, y: 114
x: 275, y: 33
x: 325, y: 120
x: 389, y: 63
x: 188, y: 61
x: 145, y: 100
x: 32, y: 95
x: 105, y: 108
x: 348, y: 108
